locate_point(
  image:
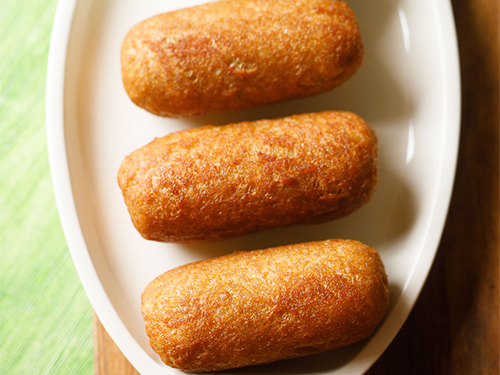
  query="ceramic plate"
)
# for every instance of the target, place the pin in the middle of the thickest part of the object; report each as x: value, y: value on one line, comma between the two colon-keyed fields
x: 408, y: 89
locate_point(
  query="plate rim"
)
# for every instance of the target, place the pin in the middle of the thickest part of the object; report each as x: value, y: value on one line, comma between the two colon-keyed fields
x: 63, y: 189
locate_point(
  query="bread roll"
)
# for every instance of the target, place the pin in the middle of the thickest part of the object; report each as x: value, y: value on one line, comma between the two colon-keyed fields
x: 256, y: 307
x: 236, y: 54
x: 216, y: 182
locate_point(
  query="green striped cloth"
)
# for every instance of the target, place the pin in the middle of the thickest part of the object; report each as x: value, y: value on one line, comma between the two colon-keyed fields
x: 45, y: 317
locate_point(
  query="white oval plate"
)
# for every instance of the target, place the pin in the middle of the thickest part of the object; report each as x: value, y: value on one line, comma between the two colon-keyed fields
x: 408, y: 89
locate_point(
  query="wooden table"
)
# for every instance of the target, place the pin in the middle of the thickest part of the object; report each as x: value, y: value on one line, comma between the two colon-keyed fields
x: 454, y: 326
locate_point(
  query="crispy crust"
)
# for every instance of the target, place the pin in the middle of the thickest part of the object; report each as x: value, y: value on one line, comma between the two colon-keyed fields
x: 215, y: 182
x: 236, y: 54
x: 256, y: 307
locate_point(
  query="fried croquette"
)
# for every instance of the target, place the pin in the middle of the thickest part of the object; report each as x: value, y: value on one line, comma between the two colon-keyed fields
x: 215, y: 182
x: 237, y: 54
x: 260, y: 306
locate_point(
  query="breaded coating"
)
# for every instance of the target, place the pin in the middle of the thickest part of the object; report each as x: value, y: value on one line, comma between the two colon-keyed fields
x: 236, y: 54
x: 260, y: 306
x: 215, y: 182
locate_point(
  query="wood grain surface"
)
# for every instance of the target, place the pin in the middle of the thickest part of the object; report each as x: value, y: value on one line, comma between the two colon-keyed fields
x: 454, y: 327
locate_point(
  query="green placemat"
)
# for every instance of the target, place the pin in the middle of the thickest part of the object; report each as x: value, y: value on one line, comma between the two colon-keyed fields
x: 46, y: 319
